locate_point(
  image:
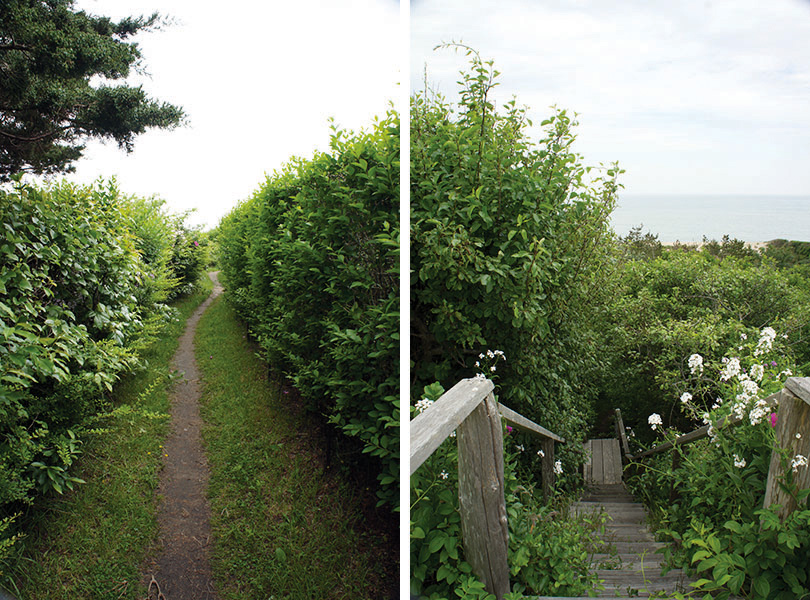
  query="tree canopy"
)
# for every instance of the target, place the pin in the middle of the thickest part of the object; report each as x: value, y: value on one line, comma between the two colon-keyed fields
x: 56, y: 66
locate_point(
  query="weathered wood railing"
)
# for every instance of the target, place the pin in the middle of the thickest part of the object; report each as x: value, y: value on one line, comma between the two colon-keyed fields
x: 470, y: 409
x: 792, y: 407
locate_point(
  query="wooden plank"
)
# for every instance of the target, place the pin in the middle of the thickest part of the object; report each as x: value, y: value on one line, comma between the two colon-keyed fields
x: 524, y: 424
x: 612, y: 462
x: 621, y: 433
x: 482, y: 505
x: 430, y: 428
x: 792, y: 418
x: 598, y: 462
x: 799, y: 387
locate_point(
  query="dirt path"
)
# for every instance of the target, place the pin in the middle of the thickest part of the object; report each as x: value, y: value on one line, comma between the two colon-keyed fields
x: 182, y: 571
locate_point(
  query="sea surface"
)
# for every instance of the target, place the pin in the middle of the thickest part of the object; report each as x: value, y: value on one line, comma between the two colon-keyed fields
x: 689, y: 218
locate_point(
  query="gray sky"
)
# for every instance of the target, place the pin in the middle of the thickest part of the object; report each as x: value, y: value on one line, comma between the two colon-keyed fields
x: 259, y: 81
x: 691, y: 97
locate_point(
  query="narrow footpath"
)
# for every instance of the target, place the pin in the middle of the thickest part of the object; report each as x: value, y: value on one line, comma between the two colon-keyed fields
x: 181, y: 570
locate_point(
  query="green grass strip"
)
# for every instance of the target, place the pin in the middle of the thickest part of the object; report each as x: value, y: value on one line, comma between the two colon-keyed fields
x: 282, y: 527
x: 92, y: 543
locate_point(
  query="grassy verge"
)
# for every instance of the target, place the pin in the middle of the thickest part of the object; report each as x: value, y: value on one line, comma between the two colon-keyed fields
x: 91, y: 543
x: 283, y: 527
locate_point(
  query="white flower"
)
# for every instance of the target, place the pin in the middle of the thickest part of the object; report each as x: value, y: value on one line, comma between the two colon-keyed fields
x: 480, y: 376
x: 423, y: 405
x: 558, y: 467
x: 732, y: 369
x: 696, y: 363
x: 750, y: 388
x: 481, y: 355
x: 798, y: 461
x: 759, y: 412
x: 686, y: 397
x: 444, y: 475
x: 654, y: 420
x: 757, y: 372
x: 765, y: 343
x: 743, y: 337
x: 541, y: 454
x: 492, y: 368
x: 739, y: 462
x: 520, y: 447
x: 798, y: 436
x: 478, y: 364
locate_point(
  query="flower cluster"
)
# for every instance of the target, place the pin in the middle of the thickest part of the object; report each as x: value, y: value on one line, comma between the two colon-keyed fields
x: 765, y: 344
x: 558, y: 470
x: 489, y: 359
x: 654, y: 420
x: 732, y: 368
x: 798, y: 461
x: 696, y: 364
x: 423, y: 405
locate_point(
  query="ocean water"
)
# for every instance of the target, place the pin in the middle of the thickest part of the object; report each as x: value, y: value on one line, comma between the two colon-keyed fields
x: 689, y: 218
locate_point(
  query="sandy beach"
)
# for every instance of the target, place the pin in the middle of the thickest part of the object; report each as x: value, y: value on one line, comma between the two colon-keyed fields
x: 759, y: 246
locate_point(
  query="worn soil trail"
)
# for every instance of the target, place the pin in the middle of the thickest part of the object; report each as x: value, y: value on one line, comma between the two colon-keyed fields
x: 181, y: 570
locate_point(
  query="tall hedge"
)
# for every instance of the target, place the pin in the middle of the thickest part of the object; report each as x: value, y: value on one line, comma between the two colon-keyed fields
x: 84, y: 276
x: 508, y: 251
x: 311, y: 264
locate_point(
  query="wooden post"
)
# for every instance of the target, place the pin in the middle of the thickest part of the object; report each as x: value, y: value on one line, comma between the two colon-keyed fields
x: 482, y: 505
x: 792, y: 419
x: 621, y: 435
x: 548, y: 476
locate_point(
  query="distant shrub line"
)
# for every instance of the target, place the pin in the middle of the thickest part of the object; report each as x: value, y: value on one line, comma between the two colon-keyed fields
x: 311, y: 264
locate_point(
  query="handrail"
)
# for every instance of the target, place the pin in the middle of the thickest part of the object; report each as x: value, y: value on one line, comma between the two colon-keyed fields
x: 470, y: 407
x: 432, y: 426
x: 792, y: 430
x: 702, y: 432
x: 524, y: 424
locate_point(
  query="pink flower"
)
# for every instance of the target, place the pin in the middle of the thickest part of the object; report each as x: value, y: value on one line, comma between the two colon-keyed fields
x: 508, y: 430
x: 773, y: 419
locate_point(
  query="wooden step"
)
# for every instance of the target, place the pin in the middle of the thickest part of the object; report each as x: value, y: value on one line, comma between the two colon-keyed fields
x: 627, y: 561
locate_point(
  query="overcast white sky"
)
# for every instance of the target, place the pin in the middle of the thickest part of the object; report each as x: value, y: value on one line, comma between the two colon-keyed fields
x: 690, y: 96
x: 259, y: 81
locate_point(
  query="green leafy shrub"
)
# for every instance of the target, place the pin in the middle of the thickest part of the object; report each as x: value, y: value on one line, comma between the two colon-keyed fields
x: 680, y: 303
x: 734, y: 545
x: 84, y: 275
x: 311, y: 264
x: 509, y: 250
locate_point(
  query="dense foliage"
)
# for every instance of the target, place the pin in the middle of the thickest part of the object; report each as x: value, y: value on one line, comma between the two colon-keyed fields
x: 507, y: 251
x: 55, y: 67
x: 711, y: 501
x: 85, y: 273
x: 671, y: 303
x: 311, y: 263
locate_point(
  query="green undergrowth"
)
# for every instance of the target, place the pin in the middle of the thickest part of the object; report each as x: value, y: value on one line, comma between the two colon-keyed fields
x: 92, y: 542
x: 284, y: 526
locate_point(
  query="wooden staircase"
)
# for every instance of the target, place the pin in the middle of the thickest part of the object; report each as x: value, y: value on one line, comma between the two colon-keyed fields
x: 628, y: 565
